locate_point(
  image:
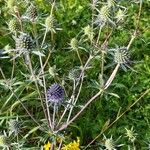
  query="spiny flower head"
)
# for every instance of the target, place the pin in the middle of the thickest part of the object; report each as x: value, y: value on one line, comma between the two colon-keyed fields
x: 53, y: 71
x: 121, y: 55
x: 111, y: 144
x: 24, y: 41
x: 105, y: 12
x: 74, y: 74
x: 111, y: 3
x: 74, y: 44
x: 31, y: 13
x: 130, y: 133
x: 94, y: 4
x: 120, y: 15
x: 14, y: 126
x: 4, y: 141
x: 13, y: 25
x: 55, y: 93
x: 49, y: 23
x: 89, y: 32
x: 103, y: 16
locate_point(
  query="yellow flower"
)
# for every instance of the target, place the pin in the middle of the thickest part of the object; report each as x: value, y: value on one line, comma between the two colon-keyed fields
x: 72, y: 146
x: 47, y: 146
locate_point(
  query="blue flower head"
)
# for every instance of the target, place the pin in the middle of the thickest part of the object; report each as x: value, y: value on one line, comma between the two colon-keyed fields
x: 55, y: 93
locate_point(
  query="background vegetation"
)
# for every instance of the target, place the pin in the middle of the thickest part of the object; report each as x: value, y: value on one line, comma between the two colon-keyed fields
x: 111, y: 115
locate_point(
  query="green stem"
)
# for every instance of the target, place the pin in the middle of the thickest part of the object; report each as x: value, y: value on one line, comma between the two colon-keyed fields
x: 54, y: 113
x: 102, y: 64
x: 79, y: 57
x: 72, y: 101
x: 99, y: 33
x: 36, y: 84
x: 68, y: 105
x: 109, y: 81
x: 13, y: 69
x: 76, y: 99
x: 47, y: 107
x: 44, y: 38
x: 47, y: 113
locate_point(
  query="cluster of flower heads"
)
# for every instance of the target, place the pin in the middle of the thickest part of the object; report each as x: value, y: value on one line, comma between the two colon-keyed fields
x: 105, y: 15
x: 55, y: 93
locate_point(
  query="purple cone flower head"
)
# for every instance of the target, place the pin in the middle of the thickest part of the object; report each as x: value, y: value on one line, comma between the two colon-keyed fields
x: 55, y: 93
